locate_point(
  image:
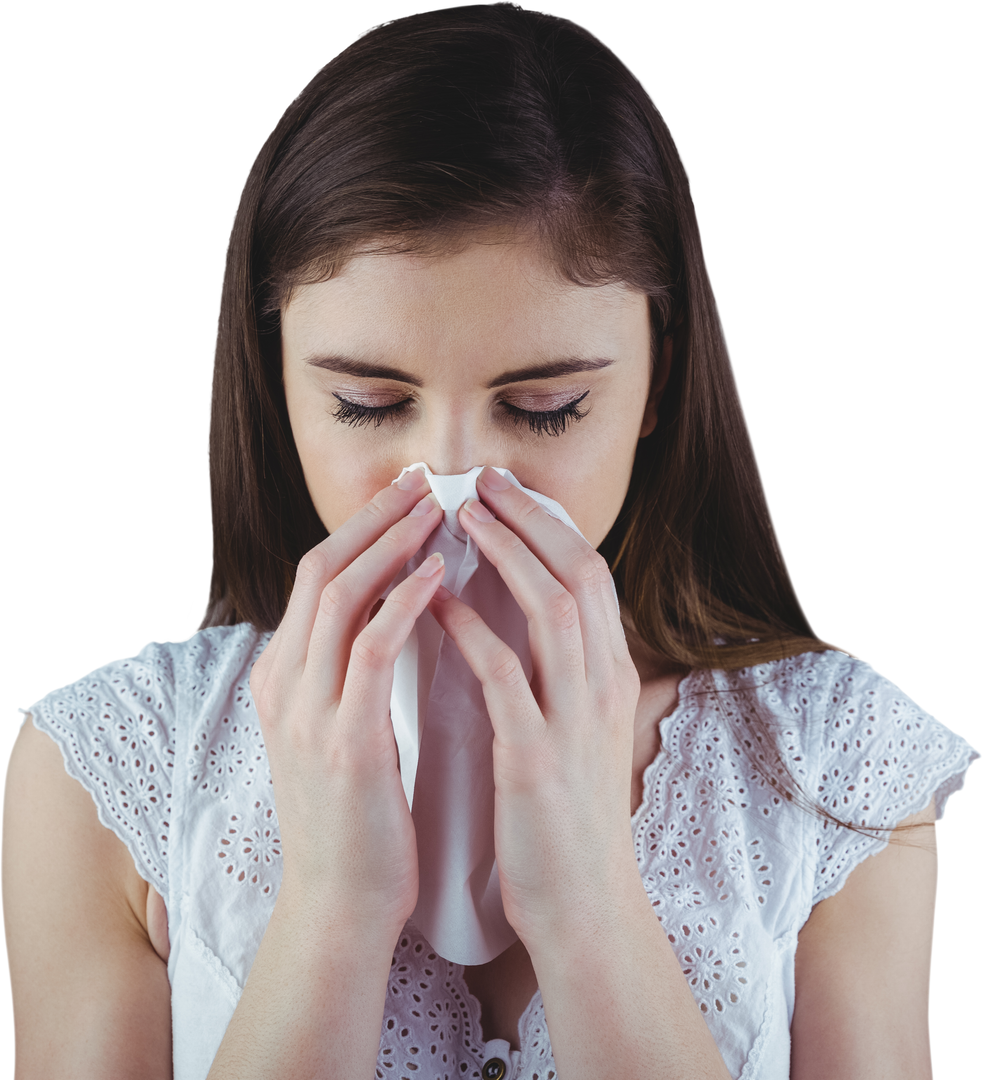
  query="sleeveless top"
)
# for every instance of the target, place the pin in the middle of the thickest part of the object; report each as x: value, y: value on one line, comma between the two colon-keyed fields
x: 170, y: 748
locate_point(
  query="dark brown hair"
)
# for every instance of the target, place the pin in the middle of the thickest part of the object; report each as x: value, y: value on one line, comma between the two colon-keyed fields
x: 424, y: 130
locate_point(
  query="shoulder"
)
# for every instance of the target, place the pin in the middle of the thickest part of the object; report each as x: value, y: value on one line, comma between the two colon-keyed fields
x: 136, y: 701
x: 861, y: 745
x: 203, y: 651
x: 861, y: 754
x: 146, y: 687
x: 801, y: 689
x: 217, y: 654
x: 83, y: 970
x: 122, y: 728
x: 51, y: 821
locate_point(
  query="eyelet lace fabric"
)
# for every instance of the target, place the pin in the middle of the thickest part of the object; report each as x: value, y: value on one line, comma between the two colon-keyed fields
x: 170, y: 748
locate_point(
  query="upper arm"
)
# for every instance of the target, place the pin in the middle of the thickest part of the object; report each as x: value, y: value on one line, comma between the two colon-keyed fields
x: 91, y: 994
x: 862, y: 967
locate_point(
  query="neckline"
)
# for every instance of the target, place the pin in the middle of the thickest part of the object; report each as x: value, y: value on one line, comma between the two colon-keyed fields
x: 475, y: 1007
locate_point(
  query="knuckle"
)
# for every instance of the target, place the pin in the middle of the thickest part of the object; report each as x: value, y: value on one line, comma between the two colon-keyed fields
x: 398, y: 607
x: 505, y: 668
x: 375, y: 509
x: 313, y: 567
x: 627, y: 681
x: 390, y: 544
x: 336, y: 599
x: 620, y: 695
x: 527, y: 508
x: 561, y: 610
x: 468, y: 622
x: 371, y: 652
x: 591, y: 570
x: 512, y: 546
x: 469, y: 619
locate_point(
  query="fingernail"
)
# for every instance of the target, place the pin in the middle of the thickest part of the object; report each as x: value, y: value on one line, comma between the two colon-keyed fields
x: 442, y: 593
x: 430, y: 566
x: 494, y: 480
x: 411, y: 480
x: 479, y: 511
x: 424, y: 506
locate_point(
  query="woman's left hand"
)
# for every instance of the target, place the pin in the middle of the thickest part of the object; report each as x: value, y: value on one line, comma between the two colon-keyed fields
x: 563, y: 739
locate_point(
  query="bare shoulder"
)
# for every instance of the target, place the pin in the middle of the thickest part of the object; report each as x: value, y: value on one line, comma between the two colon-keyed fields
x: 91, y: 995
x: 862, y: 967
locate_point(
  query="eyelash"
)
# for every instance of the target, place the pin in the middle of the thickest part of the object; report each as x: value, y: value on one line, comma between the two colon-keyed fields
x: 545, y: 422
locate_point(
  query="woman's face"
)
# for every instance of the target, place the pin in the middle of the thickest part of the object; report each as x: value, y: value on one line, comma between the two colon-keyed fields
x: 484, y: 356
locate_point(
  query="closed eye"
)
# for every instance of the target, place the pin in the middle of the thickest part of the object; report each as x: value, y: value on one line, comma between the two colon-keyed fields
x: 358, y: 416
x: 539, y: 421
x: 548, y: 421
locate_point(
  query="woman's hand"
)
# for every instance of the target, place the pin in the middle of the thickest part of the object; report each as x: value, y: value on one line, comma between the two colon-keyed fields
x: 322, y: 690
x: 563, y: 740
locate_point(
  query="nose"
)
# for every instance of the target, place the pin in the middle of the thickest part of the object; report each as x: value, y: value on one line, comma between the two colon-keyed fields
x: 451, y: 442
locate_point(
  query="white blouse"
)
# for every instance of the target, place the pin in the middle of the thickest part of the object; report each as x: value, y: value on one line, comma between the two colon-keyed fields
x: 170, y: 748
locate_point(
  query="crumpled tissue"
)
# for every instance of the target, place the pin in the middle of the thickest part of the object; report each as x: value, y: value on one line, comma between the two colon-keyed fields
x: 444, y: 736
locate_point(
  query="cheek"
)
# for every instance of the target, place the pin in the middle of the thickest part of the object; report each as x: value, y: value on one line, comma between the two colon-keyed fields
x: 610, y: 467
x: 590, y: 483
x: 603, y: 501
x: 340, y: 483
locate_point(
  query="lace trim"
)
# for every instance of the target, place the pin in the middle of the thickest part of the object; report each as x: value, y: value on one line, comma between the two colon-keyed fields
x: 113, y: 721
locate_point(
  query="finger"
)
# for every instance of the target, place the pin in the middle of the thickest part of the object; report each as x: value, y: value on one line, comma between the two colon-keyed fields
x: 512, y: 706
x: 335, y: 552
x: 569, y: 558
x: 346, y: 600
x: 555, y: 639
x: 369, y: 676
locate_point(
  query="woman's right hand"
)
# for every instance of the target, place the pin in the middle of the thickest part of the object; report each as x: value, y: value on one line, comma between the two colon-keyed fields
x: 322, y: 690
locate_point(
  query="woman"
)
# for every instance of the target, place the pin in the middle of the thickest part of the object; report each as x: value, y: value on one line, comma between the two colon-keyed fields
x: 470, y: 242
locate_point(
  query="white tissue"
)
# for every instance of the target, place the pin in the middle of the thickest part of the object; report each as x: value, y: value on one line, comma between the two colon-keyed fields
x: 444, y: 736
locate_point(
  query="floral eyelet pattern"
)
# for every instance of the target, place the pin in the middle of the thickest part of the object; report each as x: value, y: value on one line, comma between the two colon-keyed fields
x: 171, y: 749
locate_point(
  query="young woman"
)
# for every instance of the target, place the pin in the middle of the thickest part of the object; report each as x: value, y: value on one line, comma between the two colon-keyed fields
x: 470, y: 242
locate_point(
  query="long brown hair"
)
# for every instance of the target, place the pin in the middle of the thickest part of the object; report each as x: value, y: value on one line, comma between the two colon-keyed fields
x: 450, y: 121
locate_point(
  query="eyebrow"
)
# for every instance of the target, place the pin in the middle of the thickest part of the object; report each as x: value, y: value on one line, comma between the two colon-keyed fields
x: 553, y: 369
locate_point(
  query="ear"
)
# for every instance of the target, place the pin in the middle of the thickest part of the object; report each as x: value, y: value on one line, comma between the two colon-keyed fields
x: 660, y: 376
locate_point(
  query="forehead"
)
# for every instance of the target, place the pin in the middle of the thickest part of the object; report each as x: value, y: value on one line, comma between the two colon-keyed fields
x: 504, y: 298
